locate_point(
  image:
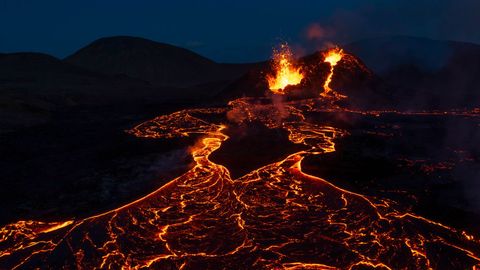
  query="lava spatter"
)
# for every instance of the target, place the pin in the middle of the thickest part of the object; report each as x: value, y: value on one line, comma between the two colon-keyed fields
x: 275, y: 217
x: 285, y: 72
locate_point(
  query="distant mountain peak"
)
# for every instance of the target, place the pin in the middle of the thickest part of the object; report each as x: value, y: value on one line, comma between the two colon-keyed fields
x: 136, y: 43
x: 382, y: 54
x: 158, y: 63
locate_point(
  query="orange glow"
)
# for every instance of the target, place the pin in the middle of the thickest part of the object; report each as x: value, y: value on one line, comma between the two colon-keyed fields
x: 333, y: 56
x: 58, y: 226
x: 285, y: 72
x: 259, y: 212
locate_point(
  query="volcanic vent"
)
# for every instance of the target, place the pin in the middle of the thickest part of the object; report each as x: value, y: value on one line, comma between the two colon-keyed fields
x: 332, y: 74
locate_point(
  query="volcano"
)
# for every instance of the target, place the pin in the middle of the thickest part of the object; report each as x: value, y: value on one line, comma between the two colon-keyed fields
x: 352, y: 79
x: 299, y: 164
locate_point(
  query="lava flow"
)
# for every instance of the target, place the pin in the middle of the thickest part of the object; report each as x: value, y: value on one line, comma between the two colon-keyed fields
x: 275, y: 217
x: 286, y: 73
x: 332, y: 56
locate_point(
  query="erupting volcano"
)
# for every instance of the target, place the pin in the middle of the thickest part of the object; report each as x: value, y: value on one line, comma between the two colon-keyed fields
x: 285, y: 71
x: 276, y: 216
x: 288, y: 71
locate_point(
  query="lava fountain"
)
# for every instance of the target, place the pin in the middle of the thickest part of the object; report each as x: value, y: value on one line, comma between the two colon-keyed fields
x: 332, y: 56
x: 285, y: 72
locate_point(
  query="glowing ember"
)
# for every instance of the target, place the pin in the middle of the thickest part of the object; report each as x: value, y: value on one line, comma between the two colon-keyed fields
x: 285, y: 72
x: 333, y: 56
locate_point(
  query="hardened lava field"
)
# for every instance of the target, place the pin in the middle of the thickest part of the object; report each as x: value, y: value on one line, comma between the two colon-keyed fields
x: 274, y: 217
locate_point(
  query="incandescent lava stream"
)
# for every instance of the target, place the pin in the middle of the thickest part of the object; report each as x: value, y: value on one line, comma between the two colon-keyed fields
x: 275, y: 217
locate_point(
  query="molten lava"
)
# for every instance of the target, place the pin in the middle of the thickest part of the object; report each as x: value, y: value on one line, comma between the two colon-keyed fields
x: 286, y: 73
x: 333, y: 56
x: 274, y: 217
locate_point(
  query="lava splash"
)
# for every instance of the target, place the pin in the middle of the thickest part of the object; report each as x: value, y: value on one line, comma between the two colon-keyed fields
x: 285, y: 72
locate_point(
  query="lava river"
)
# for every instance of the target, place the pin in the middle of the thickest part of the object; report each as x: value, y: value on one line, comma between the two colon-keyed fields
x: 275, y: 217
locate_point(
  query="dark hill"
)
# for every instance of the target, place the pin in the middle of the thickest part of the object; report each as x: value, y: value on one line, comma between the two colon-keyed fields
x: 35, y: 87
x: 41, y: 68
x: 158, y: 63
x: 383, y: 54
x: 427, y: 74
x: 33, y: 76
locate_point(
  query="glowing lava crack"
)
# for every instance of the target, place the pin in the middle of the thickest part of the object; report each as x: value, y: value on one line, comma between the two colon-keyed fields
x: 275, y: 217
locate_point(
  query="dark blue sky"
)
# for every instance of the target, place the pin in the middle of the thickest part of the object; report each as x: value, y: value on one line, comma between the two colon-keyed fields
x: 229, y: 31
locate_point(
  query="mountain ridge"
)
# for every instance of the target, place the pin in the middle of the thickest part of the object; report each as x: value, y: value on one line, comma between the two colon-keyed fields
x: 159, y: 63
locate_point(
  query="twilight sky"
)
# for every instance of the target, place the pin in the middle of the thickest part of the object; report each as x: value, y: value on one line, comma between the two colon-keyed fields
x: 229, y: 31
